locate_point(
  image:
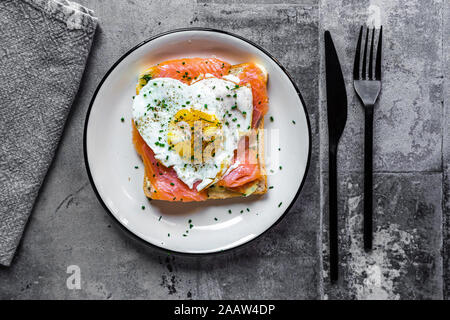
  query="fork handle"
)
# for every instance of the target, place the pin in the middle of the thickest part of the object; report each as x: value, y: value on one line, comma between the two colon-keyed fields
x: 368, y: 181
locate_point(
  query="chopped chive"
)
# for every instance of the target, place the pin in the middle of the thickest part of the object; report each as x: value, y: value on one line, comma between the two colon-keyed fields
x: 229, y: 211
x: 160, y: 217
x: 271, y: 118
x: 122, y: 119
x: 136, y: 167
x: 279, y: 205
x: 172, y: 184
x: 143, y: 207
x: 293, y: 121
x: 271, y: 187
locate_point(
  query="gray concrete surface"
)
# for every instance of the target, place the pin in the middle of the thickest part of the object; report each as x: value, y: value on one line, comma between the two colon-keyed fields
x: 69, y: 227
x: 412, y: 199
x: 446, y: 149
x: 410, y: 154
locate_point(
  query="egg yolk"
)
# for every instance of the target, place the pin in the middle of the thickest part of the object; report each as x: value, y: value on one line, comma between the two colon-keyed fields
x: 194, y: 135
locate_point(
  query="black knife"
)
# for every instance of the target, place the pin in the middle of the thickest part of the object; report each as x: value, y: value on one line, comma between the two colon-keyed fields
x: 337, y: 117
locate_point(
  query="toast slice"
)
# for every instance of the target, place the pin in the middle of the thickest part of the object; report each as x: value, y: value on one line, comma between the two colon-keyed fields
x: 257, y: 187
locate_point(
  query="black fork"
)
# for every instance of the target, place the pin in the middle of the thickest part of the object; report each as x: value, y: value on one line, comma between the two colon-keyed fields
x: 368, y: 86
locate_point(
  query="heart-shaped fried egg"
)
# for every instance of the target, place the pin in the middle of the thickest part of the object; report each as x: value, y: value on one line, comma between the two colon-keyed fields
x: 194, y: 128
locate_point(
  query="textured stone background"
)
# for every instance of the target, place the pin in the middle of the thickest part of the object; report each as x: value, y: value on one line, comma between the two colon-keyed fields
x: 410, y: 256
x: 412, y: 189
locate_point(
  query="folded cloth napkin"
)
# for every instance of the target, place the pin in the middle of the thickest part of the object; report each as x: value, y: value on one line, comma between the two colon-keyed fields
x: 44, y: 45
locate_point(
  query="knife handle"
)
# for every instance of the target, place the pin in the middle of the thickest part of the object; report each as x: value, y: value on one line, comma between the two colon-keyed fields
x: 332, y: 212
x: 368, y: 182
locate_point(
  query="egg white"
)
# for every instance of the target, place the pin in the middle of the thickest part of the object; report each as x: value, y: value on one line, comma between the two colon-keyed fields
x: 232, y: 106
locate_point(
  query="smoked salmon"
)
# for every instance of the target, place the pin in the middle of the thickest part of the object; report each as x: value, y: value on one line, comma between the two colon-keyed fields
x: 253, y: 75
x: 165, y: 184
x: 248, y: 169
x: 188, y: 70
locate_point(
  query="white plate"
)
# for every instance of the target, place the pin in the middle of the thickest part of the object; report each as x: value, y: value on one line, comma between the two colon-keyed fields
x: 111, y: 159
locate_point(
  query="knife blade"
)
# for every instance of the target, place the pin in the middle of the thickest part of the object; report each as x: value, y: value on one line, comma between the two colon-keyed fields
x: 337, y: 118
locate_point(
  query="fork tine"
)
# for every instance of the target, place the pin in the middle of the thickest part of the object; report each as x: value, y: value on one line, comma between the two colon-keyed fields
x: 371, y: 55
x: 363, y: 72
x: 378, y: 61
x: 357, y: 54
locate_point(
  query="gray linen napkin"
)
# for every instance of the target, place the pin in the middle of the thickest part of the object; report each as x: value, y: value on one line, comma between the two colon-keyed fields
x: 44, y: 45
